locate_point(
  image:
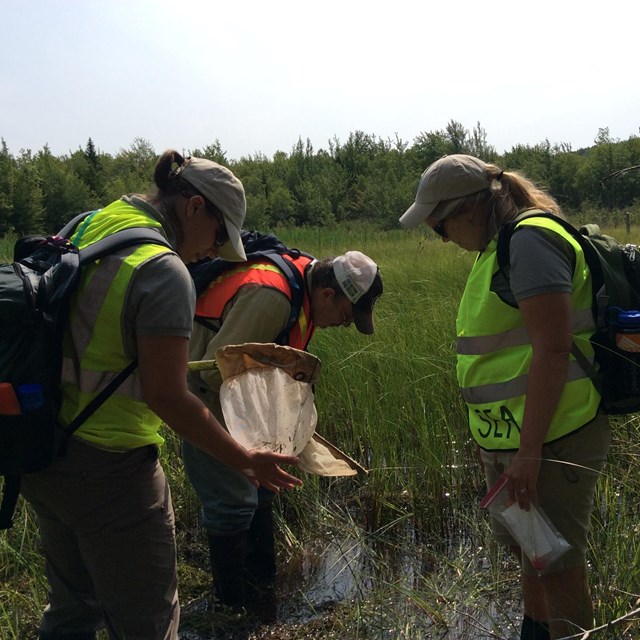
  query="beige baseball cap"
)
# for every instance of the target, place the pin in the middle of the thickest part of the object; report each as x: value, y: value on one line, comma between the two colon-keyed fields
x: 448, y: 178
x: 218, y: 185
x: 360, y: 280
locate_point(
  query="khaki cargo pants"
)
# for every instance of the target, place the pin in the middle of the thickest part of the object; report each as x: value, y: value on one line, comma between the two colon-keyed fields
x: 107, y: 528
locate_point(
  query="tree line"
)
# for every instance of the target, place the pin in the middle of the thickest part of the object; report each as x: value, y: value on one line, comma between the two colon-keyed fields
x: 362, y: 179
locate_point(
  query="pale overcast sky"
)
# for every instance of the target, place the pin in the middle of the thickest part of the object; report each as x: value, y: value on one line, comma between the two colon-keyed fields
x: 259, y: 74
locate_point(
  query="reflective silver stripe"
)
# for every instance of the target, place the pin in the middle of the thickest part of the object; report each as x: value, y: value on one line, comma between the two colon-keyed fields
x: 479, y: 345
x: 86, y: 313
x: 499, y: 391
x: 93, y: 381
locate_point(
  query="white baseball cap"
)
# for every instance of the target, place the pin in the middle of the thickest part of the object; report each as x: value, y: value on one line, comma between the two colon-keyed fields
x: 360, y: 280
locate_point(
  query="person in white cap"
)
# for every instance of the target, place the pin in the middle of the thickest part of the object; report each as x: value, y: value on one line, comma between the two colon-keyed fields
x: 104, y: 508
x: 533, y: 410
x: 253, y: 303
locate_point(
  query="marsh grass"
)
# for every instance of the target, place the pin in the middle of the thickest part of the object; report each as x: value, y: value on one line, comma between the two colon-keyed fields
x: 615, y: 539
x: 404, y: 551
x: 6, y: 246
x: 22, y: 582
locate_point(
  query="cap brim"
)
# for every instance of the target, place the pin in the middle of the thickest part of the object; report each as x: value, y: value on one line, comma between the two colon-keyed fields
x: 416, y: 214
x: 233, y: 249
x: 363, y: 320
x: 363, y: 309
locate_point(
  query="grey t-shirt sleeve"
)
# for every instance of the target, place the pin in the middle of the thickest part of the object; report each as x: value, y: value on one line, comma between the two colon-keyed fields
x: 541, y: 262
x: 161, y: 300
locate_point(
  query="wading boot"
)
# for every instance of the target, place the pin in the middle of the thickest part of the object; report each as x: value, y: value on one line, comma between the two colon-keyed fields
x: 261, y: 565
x: 69, y: 635
x: 227, y: 554
x: 534, y: 630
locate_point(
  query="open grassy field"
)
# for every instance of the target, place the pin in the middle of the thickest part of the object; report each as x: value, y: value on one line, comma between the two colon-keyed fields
x: 403, y: 552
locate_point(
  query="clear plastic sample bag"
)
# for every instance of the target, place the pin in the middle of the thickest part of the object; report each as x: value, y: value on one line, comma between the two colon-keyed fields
x: 539, y: 540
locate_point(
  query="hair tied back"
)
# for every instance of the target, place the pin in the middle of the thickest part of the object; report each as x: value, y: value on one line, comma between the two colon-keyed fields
x: 181, y: 165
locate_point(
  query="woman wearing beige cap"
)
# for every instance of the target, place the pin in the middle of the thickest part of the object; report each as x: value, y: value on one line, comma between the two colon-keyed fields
x: 532, y: 409
x: 104, y: 509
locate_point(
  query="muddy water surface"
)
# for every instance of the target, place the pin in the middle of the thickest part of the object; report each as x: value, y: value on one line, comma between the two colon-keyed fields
x: 339, y: 587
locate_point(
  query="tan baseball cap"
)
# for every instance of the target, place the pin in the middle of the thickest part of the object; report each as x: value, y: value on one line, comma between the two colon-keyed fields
x: 218, y: 185
x: 448, y: 178
x: 360, y: 280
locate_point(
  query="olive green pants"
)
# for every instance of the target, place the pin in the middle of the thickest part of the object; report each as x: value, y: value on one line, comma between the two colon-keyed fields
x: 107, y: 528
x: 569, y: 472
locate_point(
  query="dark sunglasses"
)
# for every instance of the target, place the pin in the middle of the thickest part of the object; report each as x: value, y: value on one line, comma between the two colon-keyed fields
x: 222, y: 235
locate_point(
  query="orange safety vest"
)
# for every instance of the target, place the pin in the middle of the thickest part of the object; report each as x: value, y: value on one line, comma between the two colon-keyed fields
x: 212, y: 302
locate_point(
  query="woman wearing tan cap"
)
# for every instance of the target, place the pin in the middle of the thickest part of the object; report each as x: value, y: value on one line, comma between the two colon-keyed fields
x: 104, y: 509
x: 533, y: 410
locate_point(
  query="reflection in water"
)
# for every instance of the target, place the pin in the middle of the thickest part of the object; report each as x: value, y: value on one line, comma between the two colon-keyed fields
x: 396, y: 581
x: 317, y: 578
x: 407, y: 589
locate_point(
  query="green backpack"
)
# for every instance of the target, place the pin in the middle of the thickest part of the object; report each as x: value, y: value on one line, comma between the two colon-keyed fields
x: 615, y: 276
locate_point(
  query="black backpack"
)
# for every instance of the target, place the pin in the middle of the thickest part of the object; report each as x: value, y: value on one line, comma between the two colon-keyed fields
x: 35, y: 295
x: 257, y: 246
x: 615, y: 276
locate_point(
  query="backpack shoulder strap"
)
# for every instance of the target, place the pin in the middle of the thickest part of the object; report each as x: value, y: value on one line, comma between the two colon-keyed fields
x: 118, y: 240
x: 121, y: 239
x: 508, y: 228
x: 295, y: 281
x: 579, y: 235
x: 70, y: 227
x: 591, y: 256
x: 98, y: 400
x: 257, y: 247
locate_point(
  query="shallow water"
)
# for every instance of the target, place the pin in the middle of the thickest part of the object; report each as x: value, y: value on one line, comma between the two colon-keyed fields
x: 342, y: 587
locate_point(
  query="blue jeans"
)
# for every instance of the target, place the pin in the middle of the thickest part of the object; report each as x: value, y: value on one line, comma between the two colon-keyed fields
x: 227, y: 497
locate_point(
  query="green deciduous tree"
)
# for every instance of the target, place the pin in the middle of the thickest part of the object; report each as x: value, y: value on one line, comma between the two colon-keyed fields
x: 27, y: 216
x: 213, y: 152
x: 364, y: 178
x: 7, y: 183
x: 64, y: 194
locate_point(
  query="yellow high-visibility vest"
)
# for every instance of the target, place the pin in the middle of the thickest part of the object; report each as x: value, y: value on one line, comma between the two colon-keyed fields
x: 94, y: 350
x: 494, y: 354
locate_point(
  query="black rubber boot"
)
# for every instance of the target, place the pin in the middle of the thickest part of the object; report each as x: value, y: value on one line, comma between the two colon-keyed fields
x: 70, y: 635
x: 261, y: 565
x: 534, y: 630
x: 228, y: 554
x: 261, y: 551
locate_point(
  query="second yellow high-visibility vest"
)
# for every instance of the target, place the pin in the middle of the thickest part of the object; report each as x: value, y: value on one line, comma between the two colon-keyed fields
x: 494, y: 355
